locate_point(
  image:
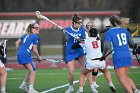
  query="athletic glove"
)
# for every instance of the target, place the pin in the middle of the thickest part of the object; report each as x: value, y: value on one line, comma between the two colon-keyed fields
x: 102, y: 58
x: 136, y: 50
x: 75, y: 46
x: 80, y: 40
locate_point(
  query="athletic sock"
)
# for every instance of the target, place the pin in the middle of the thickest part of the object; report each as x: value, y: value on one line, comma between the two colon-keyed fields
x: 81, y: 89
x: 110, y: 83
x: 24, y: 83
x: 2, y: 88
x: 70, y: 86
x: 31, y: 87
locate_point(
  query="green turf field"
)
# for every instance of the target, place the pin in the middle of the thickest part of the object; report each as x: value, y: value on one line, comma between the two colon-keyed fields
x: 56, y: 79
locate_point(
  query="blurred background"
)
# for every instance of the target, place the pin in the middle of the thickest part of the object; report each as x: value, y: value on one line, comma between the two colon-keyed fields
x: 16, y: 15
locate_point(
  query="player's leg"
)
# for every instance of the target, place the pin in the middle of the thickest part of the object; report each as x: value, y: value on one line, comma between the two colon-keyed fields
x: 71, y: 76
x: 3, y: 73
x: 94, y: 76
x: 83, y: 73
x: 107, y: 75
x: 32, y: 71
x: 122, y: 76
x: 132, y: 83
x: 82, y: 61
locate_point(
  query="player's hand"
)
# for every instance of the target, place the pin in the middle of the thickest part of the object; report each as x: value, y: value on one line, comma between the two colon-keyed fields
x: 63, y: 29
x: 136, y: 49
x: 80, y: 40
x: 102, y: 58
x: 75, y: 46
x: 39, y: 59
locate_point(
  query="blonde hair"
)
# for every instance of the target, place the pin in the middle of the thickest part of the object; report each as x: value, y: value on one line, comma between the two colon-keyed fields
x: 124, y: 21
x: 29, y: 28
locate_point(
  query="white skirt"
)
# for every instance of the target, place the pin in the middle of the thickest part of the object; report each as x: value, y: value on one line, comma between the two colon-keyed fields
x: 91, y: 64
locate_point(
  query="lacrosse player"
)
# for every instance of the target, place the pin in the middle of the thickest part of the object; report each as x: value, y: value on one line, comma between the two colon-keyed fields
x: 3, y: 71
x: 122, y: 60
x: 105, y: 71
x: 93, y: 50
x: 24, y: 47
x: 73, y: 51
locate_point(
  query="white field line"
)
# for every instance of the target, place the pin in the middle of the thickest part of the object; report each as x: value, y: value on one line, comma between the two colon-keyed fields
x: 58, y: 87
x: 13, y: 78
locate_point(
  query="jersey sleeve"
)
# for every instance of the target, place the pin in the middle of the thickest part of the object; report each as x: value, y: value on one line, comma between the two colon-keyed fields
x: 128, y: 34
x: 35, y: 40
x: 83, y: 33
x: 22, y: 37
x: 66, y: 32
x: 108, y: 37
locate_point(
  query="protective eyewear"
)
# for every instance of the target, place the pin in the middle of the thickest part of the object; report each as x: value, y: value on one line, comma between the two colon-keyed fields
x: 89, y: 26
x: 36, y: 28
x: 79, y: 23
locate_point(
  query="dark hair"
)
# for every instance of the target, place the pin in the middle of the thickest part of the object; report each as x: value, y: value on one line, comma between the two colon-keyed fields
x: 75, y: 18
x: 115, y: 19
x: 93, y: 33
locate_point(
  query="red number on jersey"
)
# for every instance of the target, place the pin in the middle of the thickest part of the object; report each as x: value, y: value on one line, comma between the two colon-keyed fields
x: 95, y: 44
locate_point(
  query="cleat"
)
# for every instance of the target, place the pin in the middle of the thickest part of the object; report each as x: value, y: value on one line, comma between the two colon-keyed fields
x: 112, y: 87
x: 93, y: 89
x: 24, y: 88
x: 79, y: 91
x: 2, y: 92
x: 33, y: 91
x: 95, y: 85
x: 137, y: 91
x: 70, y: 90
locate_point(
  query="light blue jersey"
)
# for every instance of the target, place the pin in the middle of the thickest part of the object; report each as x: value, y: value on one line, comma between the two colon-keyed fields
x: 71, y: 54
x: 119, y: 39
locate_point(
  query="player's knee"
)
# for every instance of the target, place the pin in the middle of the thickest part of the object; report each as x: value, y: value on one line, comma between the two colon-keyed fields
x: 94, y: 73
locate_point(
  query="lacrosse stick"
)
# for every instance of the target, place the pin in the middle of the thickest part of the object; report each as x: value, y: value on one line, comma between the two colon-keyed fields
x: 39, y: 15
x: 50, y: 60
x: 105, y: 55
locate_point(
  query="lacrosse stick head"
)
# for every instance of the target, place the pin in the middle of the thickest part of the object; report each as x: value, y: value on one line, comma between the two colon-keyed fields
x: 37, y: 14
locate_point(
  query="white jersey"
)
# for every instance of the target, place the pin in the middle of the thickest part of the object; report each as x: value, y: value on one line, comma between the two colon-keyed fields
x: 86, y: 35
x: 93, y: 48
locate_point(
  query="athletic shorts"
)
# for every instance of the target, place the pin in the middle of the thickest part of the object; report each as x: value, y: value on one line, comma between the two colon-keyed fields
x: 91, y: 64
x: 25, y: 59
x: 1, y: 64
x: 122, y: 61
x: 72, y: 56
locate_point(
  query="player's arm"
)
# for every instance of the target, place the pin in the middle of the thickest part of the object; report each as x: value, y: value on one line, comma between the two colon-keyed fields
x: 106, y: 48
x: 65, y: 35
x: 17, y: 43
x: 35, y: 50
x: 131, y: 42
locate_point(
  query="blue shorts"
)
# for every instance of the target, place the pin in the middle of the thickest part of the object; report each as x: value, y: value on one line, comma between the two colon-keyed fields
x: 122, y: 61
x: 25, y: 59
x: 72, y: 56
